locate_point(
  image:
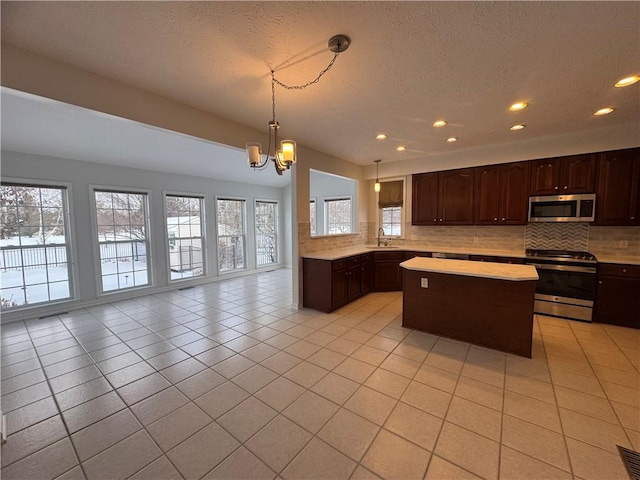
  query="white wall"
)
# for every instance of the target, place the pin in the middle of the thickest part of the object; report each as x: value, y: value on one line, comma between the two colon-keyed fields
x: 81, y: 175
x: 324, y: 186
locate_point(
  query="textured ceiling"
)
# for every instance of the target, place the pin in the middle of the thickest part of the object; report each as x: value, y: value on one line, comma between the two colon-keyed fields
x: 409, y: 64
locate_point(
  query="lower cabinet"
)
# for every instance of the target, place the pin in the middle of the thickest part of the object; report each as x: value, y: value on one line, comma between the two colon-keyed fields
x: 618, y: 295
x: 387, y: 274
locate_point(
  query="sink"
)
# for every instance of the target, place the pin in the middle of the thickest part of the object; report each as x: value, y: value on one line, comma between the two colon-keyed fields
x: 381, y: 247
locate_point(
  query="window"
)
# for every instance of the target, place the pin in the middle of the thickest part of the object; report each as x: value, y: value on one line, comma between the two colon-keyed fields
x: 34, y: 241
x: 390, y: 200
x: 338, y: 216
x: 312, y: 217
x: 185, y: 227
x: 231, y: 234
x: 266, y: 228
x: 122, y: 225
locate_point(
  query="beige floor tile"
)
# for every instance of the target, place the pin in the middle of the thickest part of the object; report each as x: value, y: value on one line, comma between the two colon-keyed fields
x: 592, y: 463
x: 233, y: 366
x: 215, y: 355
x: 528, y: 368
x: 439, y: 469
x: 242, y: 464
x: 582, y: 383
x: 361, y: 473
x: 280, y: 393
x: 468, y: 450
x: 535, y: 441
x: 143, y: 388
x: 475, y: 417
x: 327, y: 359
x: 30, y: 414
x: 281, y: 362
x: 358, y: 336
x: 319, y: 461
x: 370, y: 404
x: 335, y: 388
x: 302, y: 349
x: 415, y: 425
x: 200, y: 383
x: 90, y: 412
x: 591, y: 430
x: 342, y: 345
x: 183, y: 370
x: 446, y: 362
x: 281, y: 341
x: 25, y: 396
x: 311, y: 411
x: 124, y: 458
x: 247, y: 418
x: 388, y: 383
x: 484, y: 374
x: 306, y: 374
x: 47, y: 463
x: 612, y: 375
x: 451, y: 348
x: 391, y: 456
x: 584, y: 403
x: 532, y: 410
x: 516, y: 465
x: 158, y: 405
x: 427, y: 398
x: 74, y: 474
x: 30, y: 440
x: 371, y: 355
x: 618, y: 361
x: 629, y: 416
x: 530, y: 387
x: 355, y: 370
x: 200, y: 453
x: 179, y: 425
x: 578, y: 367
x: 437, y: 378
x: 103, y: 434
x: 413, y: 352
x: 255, y: 378
x: 260, y: 352
x: 221, y: 399
x: 400, y: 365
x: 622, y: 394
x: 349, y: 433
x: 130, y: 374
x: 279, y: 442
x: 161, y: 469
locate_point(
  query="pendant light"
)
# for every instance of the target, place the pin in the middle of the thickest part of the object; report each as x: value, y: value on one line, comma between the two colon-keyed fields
x: 376, y: 186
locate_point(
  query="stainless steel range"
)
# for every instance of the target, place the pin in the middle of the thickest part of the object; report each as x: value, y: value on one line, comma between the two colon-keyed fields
x: 567, y: 284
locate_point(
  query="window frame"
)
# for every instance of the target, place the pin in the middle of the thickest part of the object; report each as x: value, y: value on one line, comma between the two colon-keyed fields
x: 70, y: 232
x: 203, y: 233
x: 244, y: 233
x: 96, y: 241
x: 326, y: 214
x: 313, y: 232
x: 402, y: 212
x: 276, y: 231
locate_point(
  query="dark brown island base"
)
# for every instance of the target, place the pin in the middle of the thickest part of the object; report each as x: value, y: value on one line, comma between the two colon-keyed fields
x: 488, y: 304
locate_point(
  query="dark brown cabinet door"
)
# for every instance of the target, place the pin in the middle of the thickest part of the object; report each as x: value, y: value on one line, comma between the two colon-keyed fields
x: 455, y: 197
x: 618, y: 200
x: 354, y: 277
x: 367, y: 277
x: 424, y: 205
x: 514, y: 179
x: 618, y: 301
x: 487, y: 195
x: 387, y: 276
x: 578, y: 174
x: 339, y: 288
x: 545, y: 177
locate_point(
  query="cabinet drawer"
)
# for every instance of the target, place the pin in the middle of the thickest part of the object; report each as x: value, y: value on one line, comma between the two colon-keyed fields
x: 389, y: 255
x: 354, y: 261
x: 619, y: 270
x: 367, y: 258
x: 338, y: 264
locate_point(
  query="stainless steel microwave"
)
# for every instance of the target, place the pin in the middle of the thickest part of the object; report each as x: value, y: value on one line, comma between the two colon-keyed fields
x: 562, y: 208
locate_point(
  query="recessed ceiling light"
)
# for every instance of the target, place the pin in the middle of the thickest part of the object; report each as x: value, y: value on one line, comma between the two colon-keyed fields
x: 381, y: 136
x: 518, y: 106
x: 439, y: 123
x: 517, y: 127
x: 625, y: 82
x: 401, y: 148
x: 604, y: 111
x: 451, y: 140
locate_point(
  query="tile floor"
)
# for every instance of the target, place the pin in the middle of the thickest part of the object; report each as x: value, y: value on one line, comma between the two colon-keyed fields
x: 226, y: 381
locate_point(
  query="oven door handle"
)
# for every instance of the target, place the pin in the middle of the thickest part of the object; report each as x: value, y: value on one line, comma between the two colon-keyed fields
x: 564, y: 268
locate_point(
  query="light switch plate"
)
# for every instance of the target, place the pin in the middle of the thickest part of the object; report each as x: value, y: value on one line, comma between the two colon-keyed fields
x: 424, y: 282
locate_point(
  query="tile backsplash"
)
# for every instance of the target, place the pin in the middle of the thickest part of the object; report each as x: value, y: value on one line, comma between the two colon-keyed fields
x: 557, y: 236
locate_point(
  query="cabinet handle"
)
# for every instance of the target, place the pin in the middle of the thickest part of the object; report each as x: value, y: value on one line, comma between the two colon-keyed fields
x: 495, y: 219
x: 565, y: 187
x: 624, y: 270
x: 440, y: 219
x: 599, y: 282
x: 632, y: 218
x: 503, y: 219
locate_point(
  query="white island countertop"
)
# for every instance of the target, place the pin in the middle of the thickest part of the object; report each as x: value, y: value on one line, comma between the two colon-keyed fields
x: 498, y: 271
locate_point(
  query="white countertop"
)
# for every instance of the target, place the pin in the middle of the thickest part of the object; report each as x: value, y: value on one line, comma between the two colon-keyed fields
x: 618, y: 260
x: 358, y: 250
x: 499, y: 271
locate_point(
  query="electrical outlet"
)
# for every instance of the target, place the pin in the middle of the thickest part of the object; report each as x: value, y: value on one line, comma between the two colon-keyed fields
x: 424, y: 282
x: 475, y: 239
x: 624, y: 243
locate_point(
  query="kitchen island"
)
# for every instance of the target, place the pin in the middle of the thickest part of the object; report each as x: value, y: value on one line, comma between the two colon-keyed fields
x: 484, y: 303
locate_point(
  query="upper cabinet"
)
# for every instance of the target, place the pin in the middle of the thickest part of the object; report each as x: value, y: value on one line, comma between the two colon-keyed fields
x: 501, y: 194
x: 618, y: 196
x: 558, y: 176
x: 443, y: 198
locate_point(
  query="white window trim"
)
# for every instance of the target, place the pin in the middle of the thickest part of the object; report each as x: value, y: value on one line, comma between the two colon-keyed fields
x: 96, y: 242
x: 402, y: 214
x: 326, y: 216
x: 277, y: 233
x: 203, y: 230
x: 315, y: 219
x: 244, y: 229
x: 71, y: 242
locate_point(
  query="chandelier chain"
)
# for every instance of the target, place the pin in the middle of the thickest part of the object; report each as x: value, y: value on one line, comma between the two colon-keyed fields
x: 315, y: 80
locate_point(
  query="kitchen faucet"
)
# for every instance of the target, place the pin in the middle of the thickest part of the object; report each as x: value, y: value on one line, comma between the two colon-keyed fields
x: 380, y: 230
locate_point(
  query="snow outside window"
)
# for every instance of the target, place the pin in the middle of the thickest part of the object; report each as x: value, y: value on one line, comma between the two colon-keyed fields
x: 185, y: 233
x: 266, y: 228
x: 231, y: 234
x: 123, y: 241
x: 34, y: 241
x: 337, y: 216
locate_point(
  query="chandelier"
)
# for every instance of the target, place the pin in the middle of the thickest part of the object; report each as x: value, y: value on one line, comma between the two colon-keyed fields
x: 284, y: 155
